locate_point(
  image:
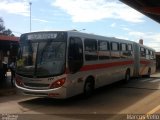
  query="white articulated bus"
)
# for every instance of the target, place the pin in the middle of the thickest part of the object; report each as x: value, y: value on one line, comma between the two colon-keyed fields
x: 61, y: 64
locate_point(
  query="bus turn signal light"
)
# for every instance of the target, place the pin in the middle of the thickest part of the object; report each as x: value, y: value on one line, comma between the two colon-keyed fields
x: 58, y: 83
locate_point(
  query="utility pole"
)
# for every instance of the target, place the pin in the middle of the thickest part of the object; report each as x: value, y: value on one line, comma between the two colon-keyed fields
x: 30, y: 4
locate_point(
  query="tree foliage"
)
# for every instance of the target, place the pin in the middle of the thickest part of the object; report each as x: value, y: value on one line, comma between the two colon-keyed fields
x: 3, y: 30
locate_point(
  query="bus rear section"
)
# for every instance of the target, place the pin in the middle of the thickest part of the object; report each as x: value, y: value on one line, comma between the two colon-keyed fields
x: 145, y: 61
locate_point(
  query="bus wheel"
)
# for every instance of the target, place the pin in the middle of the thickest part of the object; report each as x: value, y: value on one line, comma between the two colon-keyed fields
x: 88, y: 88
x: 127, y: 76
x: 149, y: 73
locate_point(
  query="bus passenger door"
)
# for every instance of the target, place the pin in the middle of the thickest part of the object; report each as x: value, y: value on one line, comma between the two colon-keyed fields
x: 75, y: 55
x: 75, y: 62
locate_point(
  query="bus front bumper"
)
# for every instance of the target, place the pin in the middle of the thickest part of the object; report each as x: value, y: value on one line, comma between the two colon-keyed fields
x: 52, y: 93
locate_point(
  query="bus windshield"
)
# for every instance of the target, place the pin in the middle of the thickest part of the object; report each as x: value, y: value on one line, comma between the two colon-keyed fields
x: 41, y: 58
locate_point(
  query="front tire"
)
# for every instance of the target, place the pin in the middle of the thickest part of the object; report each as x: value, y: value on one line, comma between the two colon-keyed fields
x: 127, y: 76
x: 149, y: 73
x: 88, y: 88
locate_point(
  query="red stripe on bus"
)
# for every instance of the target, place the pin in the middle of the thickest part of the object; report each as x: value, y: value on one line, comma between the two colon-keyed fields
x: 145, y: 62
x: 106, y: 65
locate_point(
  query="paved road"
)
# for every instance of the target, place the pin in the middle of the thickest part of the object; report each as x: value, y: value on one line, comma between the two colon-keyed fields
x: 116, y: 101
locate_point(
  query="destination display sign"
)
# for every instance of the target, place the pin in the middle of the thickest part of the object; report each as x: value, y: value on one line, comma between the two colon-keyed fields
x: 41, y: 36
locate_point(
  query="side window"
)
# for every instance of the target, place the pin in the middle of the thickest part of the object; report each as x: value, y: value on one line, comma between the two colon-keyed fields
x: 103, y: 45
x: 142, y: 52
x: 75, y: 54
x: 147, y: 54
x: 103, y: 50
x: 124, y: 52
x: 90, y: 49
x: 76, y: 48
x: 152, y: 55
x: 129, y: 50
x: 129, y: 47
x: 115, y: 53
x: 124, y: 47
x: 114, y: 46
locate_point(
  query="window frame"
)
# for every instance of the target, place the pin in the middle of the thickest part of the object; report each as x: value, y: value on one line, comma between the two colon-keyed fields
x: 142, y: 52
x: 86, y: 39
x: 128, y: 47
x: 111, y: 45
x: 104, y: 54
x: 108, y: 47
x: 90, y: 55
x: 122, y: 47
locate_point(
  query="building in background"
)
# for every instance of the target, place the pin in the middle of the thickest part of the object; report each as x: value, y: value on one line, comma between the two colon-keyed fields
x: 158, y: 60
x: 8, y: 47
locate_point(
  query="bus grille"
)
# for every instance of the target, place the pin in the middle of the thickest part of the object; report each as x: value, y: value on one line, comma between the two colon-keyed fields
x: 36, y: 85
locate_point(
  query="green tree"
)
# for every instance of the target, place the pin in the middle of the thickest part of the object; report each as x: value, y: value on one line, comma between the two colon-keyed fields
x: 3, y: 30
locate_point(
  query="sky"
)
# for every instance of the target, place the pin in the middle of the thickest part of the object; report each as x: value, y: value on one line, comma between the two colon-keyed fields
x: 109, y: 18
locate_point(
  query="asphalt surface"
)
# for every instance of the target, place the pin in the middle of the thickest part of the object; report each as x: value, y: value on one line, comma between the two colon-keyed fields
x: 135, y: 100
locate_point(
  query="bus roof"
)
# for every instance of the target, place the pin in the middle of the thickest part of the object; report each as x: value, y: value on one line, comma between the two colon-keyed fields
x: 92, y: 36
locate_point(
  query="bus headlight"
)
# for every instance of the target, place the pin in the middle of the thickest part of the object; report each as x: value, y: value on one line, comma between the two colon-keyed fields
x: 19, y: 81
x: 58, y: 83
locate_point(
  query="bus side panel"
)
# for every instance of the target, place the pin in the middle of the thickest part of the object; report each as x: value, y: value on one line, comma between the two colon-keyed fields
x: 102, y: 76
x: 153, y: 67
x: 111, y: 75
